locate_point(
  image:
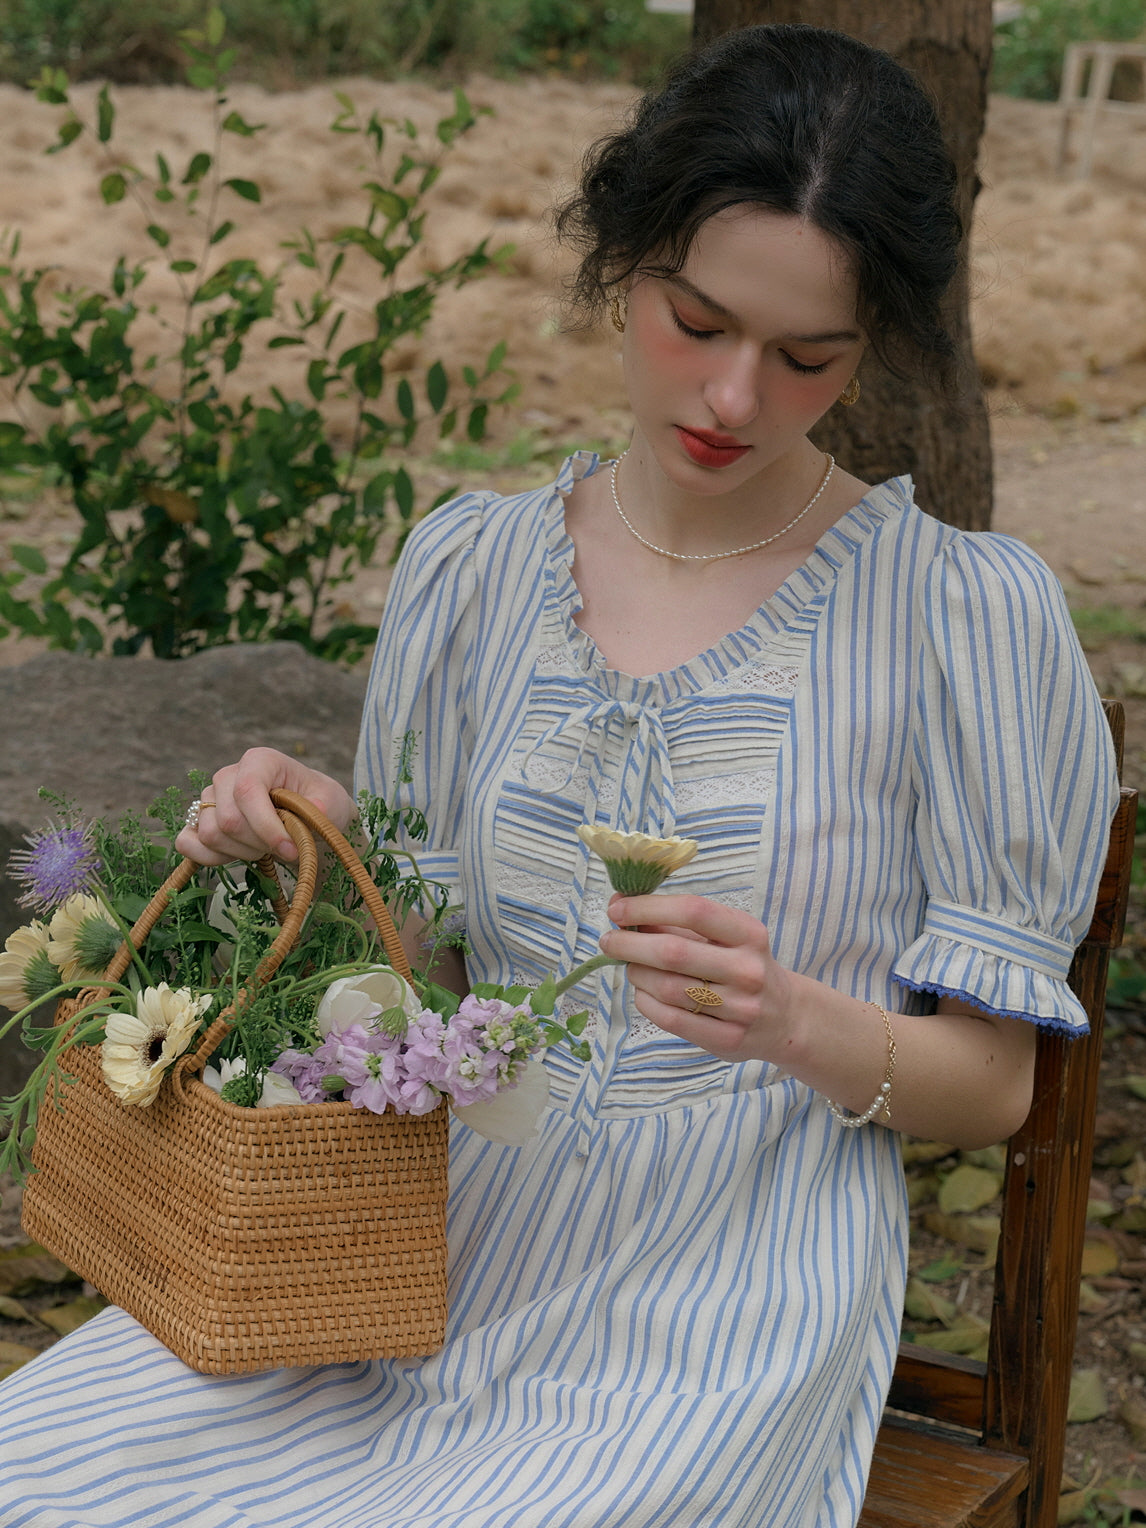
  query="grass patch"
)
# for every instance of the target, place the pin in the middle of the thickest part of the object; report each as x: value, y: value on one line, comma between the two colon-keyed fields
x: 1099, y: 625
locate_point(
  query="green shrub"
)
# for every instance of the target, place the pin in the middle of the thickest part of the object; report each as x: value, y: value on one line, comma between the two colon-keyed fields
x: 210, y: 515
x: 278, y: 41
x: 1029, y: 50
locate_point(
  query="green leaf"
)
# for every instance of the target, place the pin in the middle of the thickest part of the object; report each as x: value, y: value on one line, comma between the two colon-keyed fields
x: 247, y: 189
x: 234, y: 123
x: 495, y: 358
x: 923, y: 1303
x: 441, y: 1000
x: 281, y: 341
x: 404, y: 493
x: 216, y: 26
x: 437, y: 386
x: 196, y: 169
x: 113, y: 187
x: 374, y: 493
x: 1135, y: 1085
x: 475, y: 424
x: 943, y: 1268
x: 105, y: 115
x: 544, y: 998
x: 29, y: 557
x: 316, y: 380
x: 405, y: 399
x: 221, y: 232
x: 68, y: 133
x: 183, y: 267
x: 392, y: 206
x: 160, y: 236
x: 164, y: 170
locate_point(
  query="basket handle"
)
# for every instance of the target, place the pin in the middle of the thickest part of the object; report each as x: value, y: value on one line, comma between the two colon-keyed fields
x: 301, y: 819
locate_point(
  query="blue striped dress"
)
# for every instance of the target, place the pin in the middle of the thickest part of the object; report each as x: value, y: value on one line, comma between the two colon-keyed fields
x: 678, y: 1307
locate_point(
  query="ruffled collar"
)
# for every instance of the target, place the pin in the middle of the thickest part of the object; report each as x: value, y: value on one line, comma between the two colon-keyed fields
x: 835, y: 548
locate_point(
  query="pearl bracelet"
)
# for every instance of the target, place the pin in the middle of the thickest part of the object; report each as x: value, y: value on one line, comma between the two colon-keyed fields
x: 882, y: 1099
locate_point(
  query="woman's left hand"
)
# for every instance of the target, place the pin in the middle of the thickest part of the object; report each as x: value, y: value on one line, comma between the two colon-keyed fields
x: 705, y: 972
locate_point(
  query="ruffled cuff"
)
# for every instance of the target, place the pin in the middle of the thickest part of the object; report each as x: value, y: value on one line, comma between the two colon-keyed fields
x: 1015, y: 972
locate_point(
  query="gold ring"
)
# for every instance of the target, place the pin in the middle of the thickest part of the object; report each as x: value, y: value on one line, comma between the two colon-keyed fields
x: 703, y: 997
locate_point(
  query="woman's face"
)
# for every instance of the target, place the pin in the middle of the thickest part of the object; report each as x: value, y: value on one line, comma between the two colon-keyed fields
x: 729, y: 363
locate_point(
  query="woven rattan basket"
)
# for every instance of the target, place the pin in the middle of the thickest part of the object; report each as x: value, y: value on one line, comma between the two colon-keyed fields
x: 250, y: 1239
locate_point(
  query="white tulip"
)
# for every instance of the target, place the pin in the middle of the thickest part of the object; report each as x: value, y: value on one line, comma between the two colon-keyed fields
x: 358, y: 999
x: 510, y: 1117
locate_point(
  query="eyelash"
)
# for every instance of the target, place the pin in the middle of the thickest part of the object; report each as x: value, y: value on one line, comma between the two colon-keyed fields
x: 799, y: 367
x: 695, y: 334
x: 707, y: 334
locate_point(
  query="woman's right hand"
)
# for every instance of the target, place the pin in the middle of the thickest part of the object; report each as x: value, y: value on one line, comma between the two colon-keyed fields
x: 237, y: 818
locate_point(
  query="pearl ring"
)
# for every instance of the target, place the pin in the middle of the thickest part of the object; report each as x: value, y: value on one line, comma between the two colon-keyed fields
x: 197, y: 806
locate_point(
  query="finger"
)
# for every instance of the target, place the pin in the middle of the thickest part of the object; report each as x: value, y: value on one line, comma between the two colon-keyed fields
x: 685, y: 957
x: 204, y: 840
x: 717, y: 1036
x: 700, y: 916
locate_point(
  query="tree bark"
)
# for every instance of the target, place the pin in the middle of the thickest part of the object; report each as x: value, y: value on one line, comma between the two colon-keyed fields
x: 903, y: 426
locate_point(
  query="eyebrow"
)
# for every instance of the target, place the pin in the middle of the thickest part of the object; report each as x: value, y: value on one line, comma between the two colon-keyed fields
x: 829, y: 337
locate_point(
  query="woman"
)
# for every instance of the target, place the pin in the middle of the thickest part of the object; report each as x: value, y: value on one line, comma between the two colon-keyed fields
x: 679, y: 1305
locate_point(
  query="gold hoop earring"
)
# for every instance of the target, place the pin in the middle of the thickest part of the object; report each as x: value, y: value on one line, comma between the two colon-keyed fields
x: 851, y: 393
x: 616, y: 315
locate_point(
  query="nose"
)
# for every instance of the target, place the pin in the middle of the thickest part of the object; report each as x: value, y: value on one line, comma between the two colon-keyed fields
x: 732, y: 390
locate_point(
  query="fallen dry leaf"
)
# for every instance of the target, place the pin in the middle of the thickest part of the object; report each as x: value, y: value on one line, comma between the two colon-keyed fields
x: 1087, y: 1396
x: 968, y: 1189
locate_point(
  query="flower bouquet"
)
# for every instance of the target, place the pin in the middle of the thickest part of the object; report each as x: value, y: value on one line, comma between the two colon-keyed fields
x: 237, y: 1130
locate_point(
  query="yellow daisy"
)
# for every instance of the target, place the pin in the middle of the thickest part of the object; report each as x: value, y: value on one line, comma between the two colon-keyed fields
x: 84, y: 938
x: 140, y: 1046
x: 637, y: 863
x: 26, y: 969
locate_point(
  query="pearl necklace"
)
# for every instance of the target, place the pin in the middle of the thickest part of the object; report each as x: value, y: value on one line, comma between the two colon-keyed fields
x: 714, y: 556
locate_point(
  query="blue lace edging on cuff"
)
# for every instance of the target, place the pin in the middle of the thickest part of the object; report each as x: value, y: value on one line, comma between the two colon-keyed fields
x: 1057, y: 1026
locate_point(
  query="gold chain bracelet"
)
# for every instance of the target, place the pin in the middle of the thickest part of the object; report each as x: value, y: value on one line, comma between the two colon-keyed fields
x: 882, y: 1099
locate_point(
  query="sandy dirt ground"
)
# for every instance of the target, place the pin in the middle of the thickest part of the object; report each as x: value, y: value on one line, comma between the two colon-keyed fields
x: 1060, y: 325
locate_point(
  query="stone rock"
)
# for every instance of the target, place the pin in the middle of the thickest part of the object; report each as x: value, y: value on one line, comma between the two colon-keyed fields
x: 113, y: 733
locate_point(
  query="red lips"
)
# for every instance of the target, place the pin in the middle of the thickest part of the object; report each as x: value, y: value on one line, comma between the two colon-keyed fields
x: 709, y: 449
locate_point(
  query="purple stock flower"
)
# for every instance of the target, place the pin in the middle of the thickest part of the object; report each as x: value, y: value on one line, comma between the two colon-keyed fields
x: 305, y: 1071
x: 60, y: 862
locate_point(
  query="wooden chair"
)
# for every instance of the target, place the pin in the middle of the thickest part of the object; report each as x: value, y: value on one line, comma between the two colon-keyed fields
x: 1102, y: 57
x: 966, y: 1444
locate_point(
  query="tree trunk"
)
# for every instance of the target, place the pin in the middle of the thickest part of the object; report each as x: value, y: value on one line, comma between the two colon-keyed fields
x: 902, y: 426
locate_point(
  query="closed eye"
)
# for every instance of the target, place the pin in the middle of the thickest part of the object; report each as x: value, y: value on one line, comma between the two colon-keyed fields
x: 804, y: 371
x: 695, y: 334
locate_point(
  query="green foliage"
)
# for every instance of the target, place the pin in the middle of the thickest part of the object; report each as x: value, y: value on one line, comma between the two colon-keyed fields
x: 277, y: 40
x: 1029, y: 50
x: 1097, y: 625
x: 210, y: 515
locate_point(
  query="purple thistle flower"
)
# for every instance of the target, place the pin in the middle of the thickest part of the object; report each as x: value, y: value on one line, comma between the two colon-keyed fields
x: 60, y: 862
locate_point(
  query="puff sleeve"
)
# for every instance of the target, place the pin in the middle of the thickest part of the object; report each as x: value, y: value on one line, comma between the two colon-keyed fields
x: 1015, y: 785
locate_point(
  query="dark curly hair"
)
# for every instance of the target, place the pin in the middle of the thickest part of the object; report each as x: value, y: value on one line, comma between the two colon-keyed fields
x: 793, y: 119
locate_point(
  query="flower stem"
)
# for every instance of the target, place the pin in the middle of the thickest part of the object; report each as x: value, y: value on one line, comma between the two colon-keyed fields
x: 120, y: 924
x: 578, y: 973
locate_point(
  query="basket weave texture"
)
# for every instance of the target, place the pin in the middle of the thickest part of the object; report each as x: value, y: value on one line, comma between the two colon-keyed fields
x: 249, y: 1239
